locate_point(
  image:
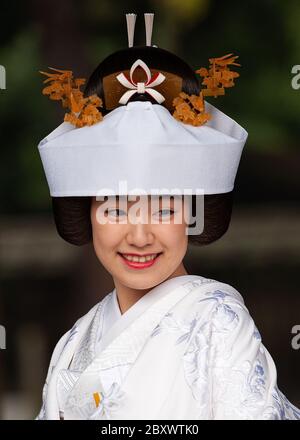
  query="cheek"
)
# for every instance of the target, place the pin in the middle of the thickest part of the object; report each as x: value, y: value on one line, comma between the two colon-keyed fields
x: 173, y: 236
x: 105, y: 238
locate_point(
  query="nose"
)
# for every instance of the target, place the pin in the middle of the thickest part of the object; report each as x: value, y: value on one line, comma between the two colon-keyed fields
x: 140, y: 235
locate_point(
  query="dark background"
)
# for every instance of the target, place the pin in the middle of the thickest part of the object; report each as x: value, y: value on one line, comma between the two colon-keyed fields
x: 46, y: 284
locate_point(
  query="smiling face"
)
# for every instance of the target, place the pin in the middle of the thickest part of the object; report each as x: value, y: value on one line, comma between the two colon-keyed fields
x: 143, y: 242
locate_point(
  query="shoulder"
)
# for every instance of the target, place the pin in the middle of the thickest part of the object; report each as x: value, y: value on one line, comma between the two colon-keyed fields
x: 211, y: 284
x: 226, y: 293
x: 226, y: 310
x: 234, y: 336
x: 231, y: 312
x: 243, y: 375
x: 218, y: 293
x: 219, y: 309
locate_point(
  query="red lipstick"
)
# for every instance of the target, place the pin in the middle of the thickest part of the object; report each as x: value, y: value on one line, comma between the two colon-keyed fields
x: 138, y: 265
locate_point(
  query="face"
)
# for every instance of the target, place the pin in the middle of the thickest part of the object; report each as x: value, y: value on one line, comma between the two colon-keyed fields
x: 154, y: 228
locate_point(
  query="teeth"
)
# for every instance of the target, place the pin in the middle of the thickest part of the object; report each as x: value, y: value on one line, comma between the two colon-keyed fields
x: 139, y: 259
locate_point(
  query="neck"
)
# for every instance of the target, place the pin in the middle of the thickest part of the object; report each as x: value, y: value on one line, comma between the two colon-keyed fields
x: 127, y: 296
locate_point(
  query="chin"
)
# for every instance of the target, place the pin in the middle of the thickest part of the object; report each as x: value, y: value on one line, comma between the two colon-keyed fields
x: 142, y: 284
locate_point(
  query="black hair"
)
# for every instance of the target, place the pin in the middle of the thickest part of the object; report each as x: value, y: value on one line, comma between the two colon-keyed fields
x: 155, y: 57
x: 72, y: 214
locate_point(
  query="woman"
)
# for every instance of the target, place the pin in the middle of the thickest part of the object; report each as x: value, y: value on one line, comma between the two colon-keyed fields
x: 163, y: 344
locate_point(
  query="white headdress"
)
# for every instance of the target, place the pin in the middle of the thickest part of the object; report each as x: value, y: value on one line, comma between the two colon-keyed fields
x: 140, y: 146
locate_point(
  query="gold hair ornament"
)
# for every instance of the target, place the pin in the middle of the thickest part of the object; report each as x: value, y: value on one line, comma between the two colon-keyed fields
x: 190, y: 109
x: 83, y: 111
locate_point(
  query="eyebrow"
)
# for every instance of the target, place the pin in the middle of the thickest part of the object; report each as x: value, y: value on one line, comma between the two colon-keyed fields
x: 159, y: 197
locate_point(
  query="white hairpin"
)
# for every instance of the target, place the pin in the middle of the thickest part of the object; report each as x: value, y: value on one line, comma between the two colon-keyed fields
x: 141, y: 87
x: 130, y: 19
x: 149, y: 26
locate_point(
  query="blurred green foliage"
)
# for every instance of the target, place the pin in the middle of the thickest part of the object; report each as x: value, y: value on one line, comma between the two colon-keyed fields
x: 265, y: 34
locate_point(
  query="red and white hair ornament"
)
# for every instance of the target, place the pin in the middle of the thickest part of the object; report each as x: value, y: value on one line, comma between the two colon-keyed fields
x: 141, y: 87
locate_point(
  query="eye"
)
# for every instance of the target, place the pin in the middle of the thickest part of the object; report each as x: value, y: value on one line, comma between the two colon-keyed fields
x: 111, y: 211
x: 168, y: 211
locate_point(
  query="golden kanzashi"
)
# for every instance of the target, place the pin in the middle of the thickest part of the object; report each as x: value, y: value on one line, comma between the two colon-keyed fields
x: 62, y: 86
x: 190, y: 109
x: 218, y: 76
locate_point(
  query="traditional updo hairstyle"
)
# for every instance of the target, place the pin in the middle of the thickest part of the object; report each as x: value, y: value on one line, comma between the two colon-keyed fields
x: 72, y: 214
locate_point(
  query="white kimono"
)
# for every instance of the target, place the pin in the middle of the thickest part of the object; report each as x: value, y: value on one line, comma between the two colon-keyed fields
x: 186, y: 350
